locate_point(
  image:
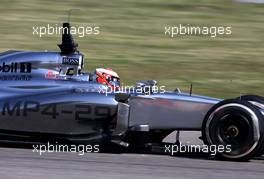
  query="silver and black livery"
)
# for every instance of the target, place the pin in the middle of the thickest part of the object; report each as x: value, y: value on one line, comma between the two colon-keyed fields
x: 46, y: 96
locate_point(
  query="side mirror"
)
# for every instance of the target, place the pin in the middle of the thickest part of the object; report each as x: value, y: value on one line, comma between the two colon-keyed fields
x: 148, y: 86
x: 122, y: 97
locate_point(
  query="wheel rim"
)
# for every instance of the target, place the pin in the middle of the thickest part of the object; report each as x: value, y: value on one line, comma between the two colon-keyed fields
x: 234, y: 130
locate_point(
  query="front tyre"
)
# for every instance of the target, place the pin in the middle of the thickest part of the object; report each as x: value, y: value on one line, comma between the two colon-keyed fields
x: 236, y: 124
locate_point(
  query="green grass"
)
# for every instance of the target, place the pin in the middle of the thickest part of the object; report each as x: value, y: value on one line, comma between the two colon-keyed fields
x: 132, y: 40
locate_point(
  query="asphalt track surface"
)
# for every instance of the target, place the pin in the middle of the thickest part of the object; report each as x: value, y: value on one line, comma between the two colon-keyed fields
x: 23, y: 163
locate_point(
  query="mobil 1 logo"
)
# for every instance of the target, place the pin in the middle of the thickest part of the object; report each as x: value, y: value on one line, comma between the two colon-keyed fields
x: 22, y: 67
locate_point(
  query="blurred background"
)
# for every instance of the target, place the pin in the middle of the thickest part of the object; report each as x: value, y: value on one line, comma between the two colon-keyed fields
x: 132, y: 40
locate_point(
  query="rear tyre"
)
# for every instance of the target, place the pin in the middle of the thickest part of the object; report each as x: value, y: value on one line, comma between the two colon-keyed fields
x: 237, y: 126
x: 256, y: 100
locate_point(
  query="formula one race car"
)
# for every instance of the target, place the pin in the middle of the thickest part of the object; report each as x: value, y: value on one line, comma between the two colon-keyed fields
x: 47, y: 96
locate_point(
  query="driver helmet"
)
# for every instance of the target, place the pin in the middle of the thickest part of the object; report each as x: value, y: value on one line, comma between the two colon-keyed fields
x: 107, y: 76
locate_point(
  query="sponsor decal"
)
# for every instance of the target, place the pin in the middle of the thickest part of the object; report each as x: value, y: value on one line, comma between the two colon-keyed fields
x: 22, y: 67
x: 51, y: 75
x: 70, y: 61
x: 16, y: 78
